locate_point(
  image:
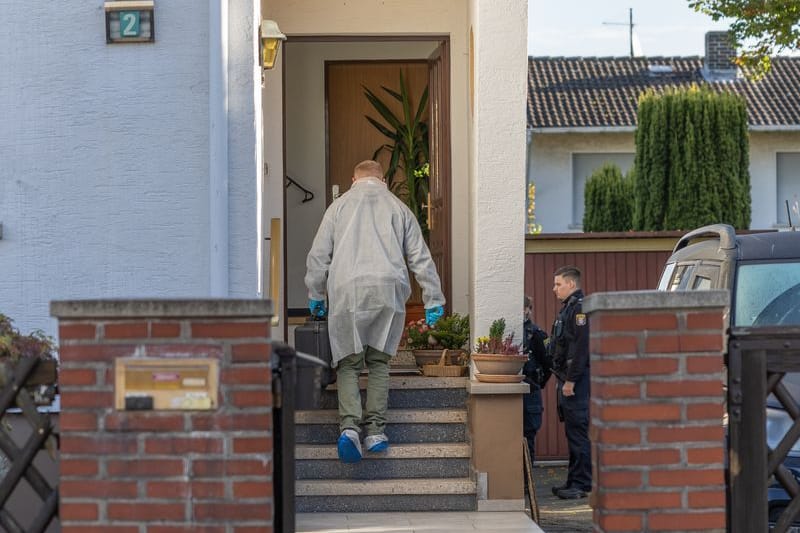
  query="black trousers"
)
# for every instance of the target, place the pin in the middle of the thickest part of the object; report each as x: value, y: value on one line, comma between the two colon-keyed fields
x: 532, y: 416
x: 576, y: 427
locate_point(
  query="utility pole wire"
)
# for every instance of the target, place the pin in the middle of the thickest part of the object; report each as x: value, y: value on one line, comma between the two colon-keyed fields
x: 629, y: 24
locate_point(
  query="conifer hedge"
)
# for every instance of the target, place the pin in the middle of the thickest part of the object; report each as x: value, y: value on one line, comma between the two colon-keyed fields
x: 692, y: 158
x: 608, y: 200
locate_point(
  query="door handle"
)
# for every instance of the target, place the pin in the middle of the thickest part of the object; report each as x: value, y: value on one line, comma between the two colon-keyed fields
x: 430, y: 220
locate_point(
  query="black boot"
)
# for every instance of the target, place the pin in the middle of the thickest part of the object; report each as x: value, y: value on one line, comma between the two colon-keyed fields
x: 571, y: 493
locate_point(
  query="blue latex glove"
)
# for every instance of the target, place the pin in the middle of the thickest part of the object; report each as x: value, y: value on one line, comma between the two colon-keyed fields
x: 433, y: 314
x: 317, y: 308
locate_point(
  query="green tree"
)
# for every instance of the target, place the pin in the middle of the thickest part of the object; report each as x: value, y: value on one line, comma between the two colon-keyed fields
x: 691, y: 160
x: 760, y: 29
x: 652, y: 146
x: 608, y: 200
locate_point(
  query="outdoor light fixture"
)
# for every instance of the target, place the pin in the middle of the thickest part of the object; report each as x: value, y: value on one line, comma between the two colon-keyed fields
x: 271, y: 38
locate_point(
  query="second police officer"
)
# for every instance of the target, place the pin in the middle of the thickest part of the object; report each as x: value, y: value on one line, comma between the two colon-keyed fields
x: 569, y: 345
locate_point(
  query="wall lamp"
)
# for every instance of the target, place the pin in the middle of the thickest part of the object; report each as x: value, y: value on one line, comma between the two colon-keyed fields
x: 271, y: 38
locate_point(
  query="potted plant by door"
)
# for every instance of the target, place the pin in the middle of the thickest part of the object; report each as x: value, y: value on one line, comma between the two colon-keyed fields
x: 497, y: 358
x: 450, y: 333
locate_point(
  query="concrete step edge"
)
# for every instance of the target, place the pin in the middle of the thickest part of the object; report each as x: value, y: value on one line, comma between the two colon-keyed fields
x: 393, y: 416
x: 374, y: 487
x: 445, y: 450
x: 416, y: 382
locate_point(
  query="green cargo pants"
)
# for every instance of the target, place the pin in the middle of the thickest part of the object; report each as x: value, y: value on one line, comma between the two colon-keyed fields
x: 347, y: 372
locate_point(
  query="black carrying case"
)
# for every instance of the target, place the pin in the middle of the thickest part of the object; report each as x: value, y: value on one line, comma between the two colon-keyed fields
x: 312, y: 338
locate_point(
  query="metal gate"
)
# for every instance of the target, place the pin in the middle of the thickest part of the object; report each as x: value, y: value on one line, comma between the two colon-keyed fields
x: 20, y: 459
x: 758, y: 361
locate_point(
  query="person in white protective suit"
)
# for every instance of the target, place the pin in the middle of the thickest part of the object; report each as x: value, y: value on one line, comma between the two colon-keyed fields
x: 358, y: 259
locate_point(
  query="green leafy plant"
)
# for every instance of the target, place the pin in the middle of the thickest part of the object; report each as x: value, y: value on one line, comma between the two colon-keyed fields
x: 496, y: 343
x: 14, y: 345
x: 407, y: 147
x: 450, y: 332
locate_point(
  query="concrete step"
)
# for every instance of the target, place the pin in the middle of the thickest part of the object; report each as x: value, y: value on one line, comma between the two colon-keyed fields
x: 403, y: 426
x: 411, y: 391
x: 439, y: 494
x: 399, y: 462
x: 396, y: 451
x: 393, y: 416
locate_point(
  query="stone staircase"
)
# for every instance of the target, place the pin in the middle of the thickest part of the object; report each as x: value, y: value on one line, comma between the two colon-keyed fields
x: 427, y: 467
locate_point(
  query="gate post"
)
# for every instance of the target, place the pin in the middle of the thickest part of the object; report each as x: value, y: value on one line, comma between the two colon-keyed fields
x: 166, y: 418
x: 656, y: 414
x: 747, y: 429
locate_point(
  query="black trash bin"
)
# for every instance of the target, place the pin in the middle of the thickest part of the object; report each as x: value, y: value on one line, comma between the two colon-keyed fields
x: 314, y: 372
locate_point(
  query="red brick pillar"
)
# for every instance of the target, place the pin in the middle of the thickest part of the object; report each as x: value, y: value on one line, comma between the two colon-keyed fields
x: 658, y: 443
x: 165, y: 471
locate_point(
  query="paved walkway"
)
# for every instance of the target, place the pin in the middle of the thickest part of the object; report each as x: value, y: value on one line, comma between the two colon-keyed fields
x: 428, y: 522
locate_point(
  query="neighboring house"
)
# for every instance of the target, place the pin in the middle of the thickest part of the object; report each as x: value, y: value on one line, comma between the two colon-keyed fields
x: 158, y: 169
x: 582, y: 113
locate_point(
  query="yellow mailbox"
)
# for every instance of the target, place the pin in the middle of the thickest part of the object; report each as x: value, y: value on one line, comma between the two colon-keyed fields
x: 166, y: 384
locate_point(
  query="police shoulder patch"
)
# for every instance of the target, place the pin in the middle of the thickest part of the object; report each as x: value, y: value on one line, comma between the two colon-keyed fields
x: 580, y: 319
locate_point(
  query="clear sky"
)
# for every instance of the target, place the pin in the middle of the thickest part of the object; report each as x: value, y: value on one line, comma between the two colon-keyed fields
x: 575, y: 28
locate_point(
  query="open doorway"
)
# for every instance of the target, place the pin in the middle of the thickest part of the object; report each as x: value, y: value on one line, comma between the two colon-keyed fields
x: 312, y: 167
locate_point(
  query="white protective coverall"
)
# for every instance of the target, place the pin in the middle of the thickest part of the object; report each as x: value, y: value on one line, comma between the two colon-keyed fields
x: 359, y: 255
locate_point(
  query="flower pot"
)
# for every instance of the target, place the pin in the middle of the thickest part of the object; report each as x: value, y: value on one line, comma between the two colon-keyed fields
x: 499, y: 364
x: 431, y: 357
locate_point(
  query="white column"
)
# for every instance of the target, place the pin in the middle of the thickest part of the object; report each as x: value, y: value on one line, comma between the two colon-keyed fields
x: 497, y: 163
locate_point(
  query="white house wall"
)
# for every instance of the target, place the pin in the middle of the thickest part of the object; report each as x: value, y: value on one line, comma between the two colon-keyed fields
x: 104, y: 181
x: 550, y: 168
x: 497, y: 163
x: 764, y: 147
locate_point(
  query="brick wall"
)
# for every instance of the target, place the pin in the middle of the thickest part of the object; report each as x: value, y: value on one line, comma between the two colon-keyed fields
x: 658, y: 442
x: 165, y: 471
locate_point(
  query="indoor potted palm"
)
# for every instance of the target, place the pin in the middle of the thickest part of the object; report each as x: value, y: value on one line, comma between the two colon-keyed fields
x: 497, y: 358
x: 407, y: 145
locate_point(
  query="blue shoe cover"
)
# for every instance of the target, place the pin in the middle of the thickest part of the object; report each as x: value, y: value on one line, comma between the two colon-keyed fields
x: 377, y: 443
x: 349, y: 446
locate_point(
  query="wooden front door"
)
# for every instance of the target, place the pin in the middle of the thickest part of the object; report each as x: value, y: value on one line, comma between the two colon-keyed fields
x: 351, y: 138
x: 439, y: 201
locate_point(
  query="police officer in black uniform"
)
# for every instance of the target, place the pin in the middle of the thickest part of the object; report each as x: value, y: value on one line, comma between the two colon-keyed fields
x: 569, y: 347
x: 536, y: 371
